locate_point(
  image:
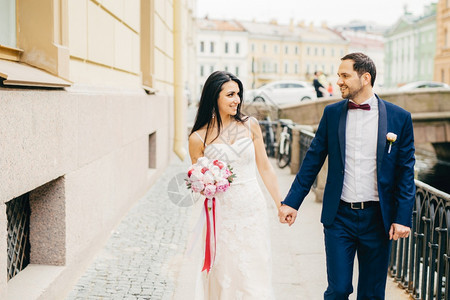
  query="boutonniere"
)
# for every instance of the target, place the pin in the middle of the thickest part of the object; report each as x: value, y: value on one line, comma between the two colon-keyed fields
x: 391, y: 137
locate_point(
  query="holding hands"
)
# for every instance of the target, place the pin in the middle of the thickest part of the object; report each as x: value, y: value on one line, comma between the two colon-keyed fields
x: 287, y: 214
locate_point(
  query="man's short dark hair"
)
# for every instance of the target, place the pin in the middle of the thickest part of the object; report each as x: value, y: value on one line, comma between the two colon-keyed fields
x: 362, y: 64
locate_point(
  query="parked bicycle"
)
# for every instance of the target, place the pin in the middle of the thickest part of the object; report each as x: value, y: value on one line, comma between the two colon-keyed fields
x: 285, y: 143
x: 267, y: 126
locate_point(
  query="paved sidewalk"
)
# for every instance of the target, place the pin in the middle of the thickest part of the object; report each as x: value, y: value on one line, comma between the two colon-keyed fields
x: 143, y: 257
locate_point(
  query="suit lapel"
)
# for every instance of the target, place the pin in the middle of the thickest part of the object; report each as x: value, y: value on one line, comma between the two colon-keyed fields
x: 341, y: 130
x: 382, y: 131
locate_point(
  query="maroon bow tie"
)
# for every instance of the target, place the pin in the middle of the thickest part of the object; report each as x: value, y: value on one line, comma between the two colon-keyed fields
x: 352, y: 105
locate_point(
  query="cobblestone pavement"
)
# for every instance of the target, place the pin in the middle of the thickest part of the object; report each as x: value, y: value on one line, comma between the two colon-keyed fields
x: 136, y: 261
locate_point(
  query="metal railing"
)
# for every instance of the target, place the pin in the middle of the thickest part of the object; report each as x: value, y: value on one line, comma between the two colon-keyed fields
x: 421, y: 262
x: 306, y: 138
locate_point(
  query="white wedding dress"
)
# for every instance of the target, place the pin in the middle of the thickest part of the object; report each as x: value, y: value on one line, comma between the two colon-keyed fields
x: 243, y: 265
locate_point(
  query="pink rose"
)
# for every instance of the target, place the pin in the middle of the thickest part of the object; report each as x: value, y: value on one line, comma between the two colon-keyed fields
x: 210, y: 191
x: 222, y: 185
x: 197, y: 186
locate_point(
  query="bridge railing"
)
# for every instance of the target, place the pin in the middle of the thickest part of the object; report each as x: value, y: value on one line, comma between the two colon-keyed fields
x: 420, y: 263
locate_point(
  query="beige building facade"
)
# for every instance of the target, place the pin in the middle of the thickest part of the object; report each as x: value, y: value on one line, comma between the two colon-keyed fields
x: 442, y: 58
x: 92, y: 111
x: 292, y: 51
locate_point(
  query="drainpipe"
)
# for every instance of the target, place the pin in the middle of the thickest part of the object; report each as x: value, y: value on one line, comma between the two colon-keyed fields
x: 180, y: 131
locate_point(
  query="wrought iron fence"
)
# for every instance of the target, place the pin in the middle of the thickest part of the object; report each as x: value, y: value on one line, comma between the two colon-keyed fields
x: 306, y: 138
x: 18, y: 216
x: 421, y: 262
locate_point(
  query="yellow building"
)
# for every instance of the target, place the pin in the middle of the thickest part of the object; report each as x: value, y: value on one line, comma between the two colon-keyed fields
x: 442, y: 58
x: 283, y: 52
x: 91, y: 102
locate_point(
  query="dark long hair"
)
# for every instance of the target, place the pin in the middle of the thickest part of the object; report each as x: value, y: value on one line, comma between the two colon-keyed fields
x: 208, y: 102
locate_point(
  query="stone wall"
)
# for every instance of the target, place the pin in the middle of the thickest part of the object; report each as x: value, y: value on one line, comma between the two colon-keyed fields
x: 84, y: 158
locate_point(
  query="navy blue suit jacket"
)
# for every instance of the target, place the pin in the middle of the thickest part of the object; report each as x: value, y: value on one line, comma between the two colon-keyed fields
x: 395, y: 170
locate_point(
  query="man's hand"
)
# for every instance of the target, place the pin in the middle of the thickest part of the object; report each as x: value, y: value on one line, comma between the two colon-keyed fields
x: 398, y: 231
x: 287, y: 214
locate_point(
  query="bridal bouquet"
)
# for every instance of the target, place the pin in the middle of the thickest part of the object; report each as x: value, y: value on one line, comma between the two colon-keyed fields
x: 209, y: 177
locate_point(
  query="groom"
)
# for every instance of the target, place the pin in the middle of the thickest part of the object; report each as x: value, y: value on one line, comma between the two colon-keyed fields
x: 370, y: 189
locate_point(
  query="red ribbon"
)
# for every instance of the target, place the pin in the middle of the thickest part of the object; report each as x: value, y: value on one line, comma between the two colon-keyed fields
x: 209, y: 259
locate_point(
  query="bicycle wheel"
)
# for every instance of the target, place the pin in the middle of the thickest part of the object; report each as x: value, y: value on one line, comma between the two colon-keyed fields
x: 283, y: 159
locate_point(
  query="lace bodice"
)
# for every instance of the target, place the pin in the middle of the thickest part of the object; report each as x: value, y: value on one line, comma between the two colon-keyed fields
x: 240, y: 156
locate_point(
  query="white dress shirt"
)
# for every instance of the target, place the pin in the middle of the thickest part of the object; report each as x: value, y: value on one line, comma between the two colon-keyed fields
x: 361, y: 134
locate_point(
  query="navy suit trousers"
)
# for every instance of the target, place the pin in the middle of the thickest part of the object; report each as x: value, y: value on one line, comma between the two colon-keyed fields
x: 359, y: 232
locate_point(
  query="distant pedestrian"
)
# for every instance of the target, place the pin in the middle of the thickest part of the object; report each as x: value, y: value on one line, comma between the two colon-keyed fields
x: 317, y: 85
x: 370, y: 191
x: 330, y: 89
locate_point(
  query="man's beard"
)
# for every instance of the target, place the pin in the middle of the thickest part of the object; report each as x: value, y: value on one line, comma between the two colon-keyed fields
x: 352, y: 94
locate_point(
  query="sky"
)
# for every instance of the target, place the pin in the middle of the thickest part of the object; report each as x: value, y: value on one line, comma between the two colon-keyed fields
x: 333, y: 12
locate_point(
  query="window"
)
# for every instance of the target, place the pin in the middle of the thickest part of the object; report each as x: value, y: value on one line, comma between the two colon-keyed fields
x: 211, y: 69
x: 308, y: 50
x: 307, y: 68
x: 212, y: 47
x: 30, y: 39
x: 226, y: 68
x: 275, y: 67
x: 316, y: 51
x: 296, y: 50
x: 296, y: 68
x: 275, y: 49
x: 332, y: 51
x: 202, y: 70
x: 237, y: 48
x: 286, y: 49
x: 8, y: 23
x: 253, y: 47
x: 152, y: 150
x: 202, y: 46
x: 237, y: 71
x: 323, y: 51
x: 226, y: 47
x: 286, y: 67
x: 264, y: 48
x: 295, y: 86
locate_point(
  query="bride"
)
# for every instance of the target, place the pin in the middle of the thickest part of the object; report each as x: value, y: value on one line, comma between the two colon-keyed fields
x: 242, y: 265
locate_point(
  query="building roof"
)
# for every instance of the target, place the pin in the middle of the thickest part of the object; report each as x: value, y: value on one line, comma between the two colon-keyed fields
x: 359, y: 39
x: 219, y: 25
x: 299, y: 31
